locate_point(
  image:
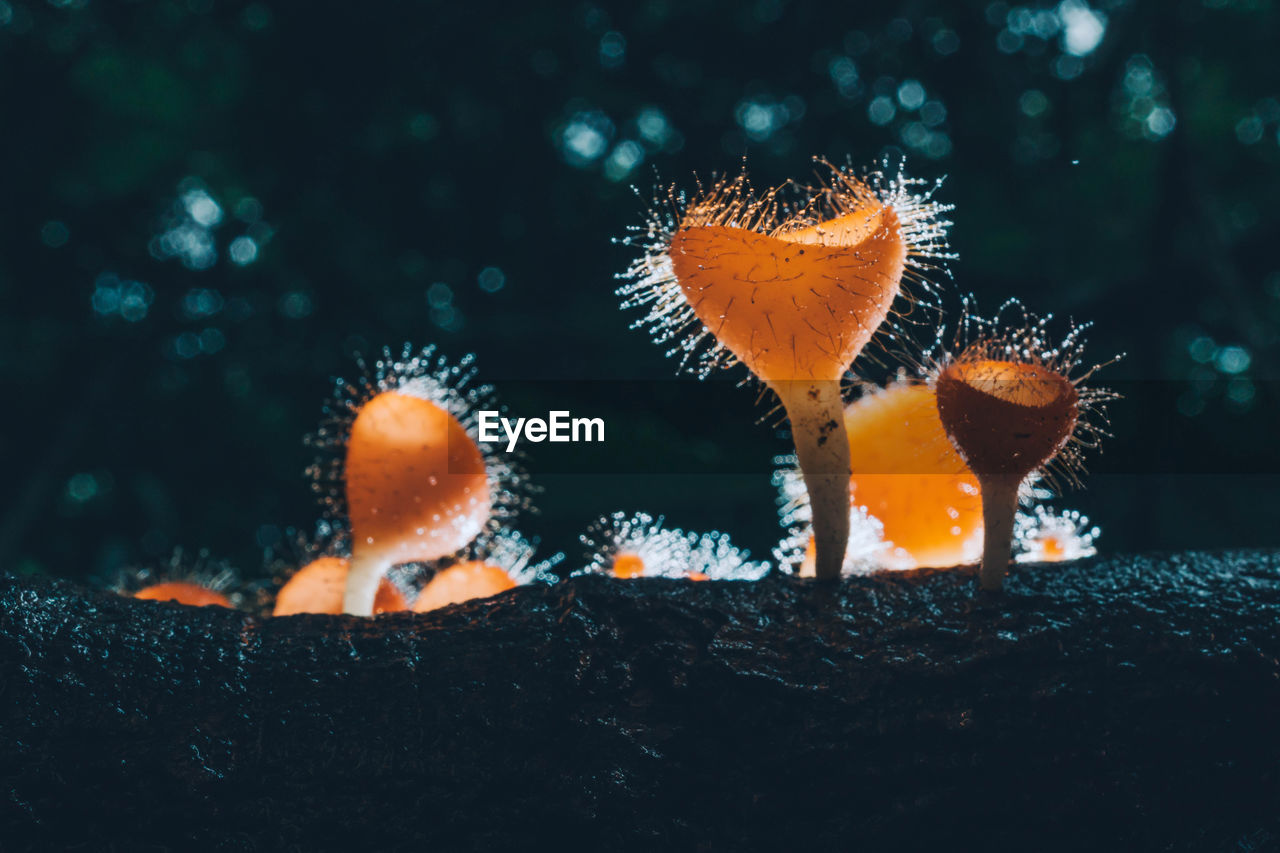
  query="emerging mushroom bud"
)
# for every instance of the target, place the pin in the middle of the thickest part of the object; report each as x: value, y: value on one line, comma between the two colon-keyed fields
x: 1043, y: 536
x: 1010, y: 408
x: 319, y: 587
x: 639, y: 546
x: 493, y: 565
x: 418, y: 485
x: 1008, y: 418
x: 198, y: 582
x: 794, y: 292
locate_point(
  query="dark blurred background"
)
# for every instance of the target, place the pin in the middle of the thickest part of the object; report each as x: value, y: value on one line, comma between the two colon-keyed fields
x: 209, y: 207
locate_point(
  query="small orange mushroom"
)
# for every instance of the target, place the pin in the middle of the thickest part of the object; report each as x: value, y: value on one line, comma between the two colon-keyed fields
x: 197, y: 581
x: 795, y: 298
x: 417, y: 488
x: 416, y: 485
x: 463, y: 582
x: 628, y: 565
x: 319, y: 586
x: 183, y: 592
x: 910, y: 478
x: 640, y: 546
x: 1043, y: 536
x: 496, y: 563
x: 1010, y: 408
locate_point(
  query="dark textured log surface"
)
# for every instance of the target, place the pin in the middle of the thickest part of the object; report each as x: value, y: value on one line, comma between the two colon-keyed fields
x: 1131, y: 703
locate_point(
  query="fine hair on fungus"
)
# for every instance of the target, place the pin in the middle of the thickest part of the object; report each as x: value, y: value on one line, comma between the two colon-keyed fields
x: 639, y: 545
x: 197, y: 582
x: 1014, y: 404
x: 401, y: 463
x: 793, y: 283
x: 1045, y: 536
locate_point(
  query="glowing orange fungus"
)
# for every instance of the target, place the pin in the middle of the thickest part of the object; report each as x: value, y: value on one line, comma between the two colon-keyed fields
x: 800, y: 305
x: 416, y: 482
x: 628, y: 566
x: 493, y: 564
x: 641, y: 546
x: 400, y: 467
x: 795, y: 293
x: 318, y: 588
x: 908, y: 476
x: 1010, y: 408
x: 1006, y: 418
x: 183, y: 592
x: 463, y: 582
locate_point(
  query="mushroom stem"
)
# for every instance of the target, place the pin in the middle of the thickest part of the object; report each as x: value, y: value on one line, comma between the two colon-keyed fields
x: 367, y: 570
x: 816, y: 413
x: 999, y: 506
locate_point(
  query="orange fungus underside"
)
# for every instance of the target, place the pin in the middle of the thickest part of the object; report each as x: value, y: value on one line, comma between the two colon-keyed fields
x: 183, y: 592
x: 318, y: 587
x: 415, y: 480
x: 463, y: 582
x: 799, y: 305
x: 907, y: 475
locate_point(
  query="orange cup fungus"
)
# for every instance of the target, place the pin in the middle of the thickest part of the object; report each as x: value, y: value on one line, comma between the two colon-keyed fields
x: 1043, y: 536
x: 496, y: 564
x: 909, y: 479
x: 417, y: 484
x: 794, y: 292
x: 639, y: 546
x: 1010, y: 408
x: 195, y: 581
x: 463, y: 582
x: 183, y: 592
x: 320, y: 586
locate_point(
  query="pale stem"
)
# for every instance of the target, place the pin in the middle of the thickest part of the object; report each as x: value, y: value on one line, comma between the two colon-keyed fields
x: 367, y: 570
x: 999, y: 506
x: 816, y: 412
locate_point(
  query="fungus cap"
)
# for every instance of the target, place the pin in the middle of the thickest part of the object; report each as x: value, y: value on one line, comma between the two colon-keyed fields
x: 796, y: 305
x: 318, y: 588
x: 1006, y: 418
x: 463, y: 582
x: 416, y: 483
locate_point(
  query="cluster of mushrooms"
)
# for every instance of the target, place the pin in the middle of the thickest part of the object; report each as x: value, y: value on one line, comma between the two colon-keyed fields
x: 945, y: 464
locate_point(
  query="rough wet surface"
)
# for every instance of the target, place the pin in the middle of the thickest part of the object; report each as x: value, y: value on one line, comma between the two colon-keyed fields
x: 1126, y: 703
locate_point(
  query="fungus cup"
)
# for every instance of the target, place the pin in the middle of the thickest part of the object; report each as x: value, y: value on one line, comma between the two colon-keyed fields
x: 792, y: 289
x: 183, y: 592
x: 402, y: 463
x: 907, y: 476
x: 320, y: 586
x: 198, y: 583
x: 493, y: 565
x: 639, y: 545
x: 1043, y: 536
x: 1011, y: 407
